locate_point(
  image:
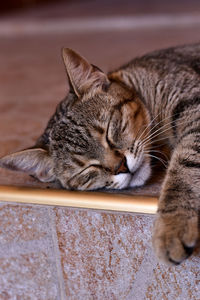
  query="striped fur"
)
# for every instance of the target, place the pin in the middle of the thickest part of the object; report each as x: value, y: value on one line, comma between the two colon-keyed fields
x: 105, y: 131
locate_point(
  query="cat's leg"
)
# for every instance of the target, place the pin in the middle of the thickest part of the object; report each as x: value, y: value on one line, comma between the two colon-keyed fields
x: 176, y: 226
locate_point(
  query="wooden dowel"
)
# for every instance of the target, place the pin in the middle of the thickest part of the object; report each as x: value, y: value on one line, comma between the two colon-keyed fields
x: 91, y: 200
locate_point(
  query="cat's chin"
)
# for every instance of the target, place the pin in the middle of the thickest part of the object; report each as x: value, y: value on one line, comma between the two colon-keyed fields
x: 133, y: 163
x: 141, y: 175
x: 140, y: 170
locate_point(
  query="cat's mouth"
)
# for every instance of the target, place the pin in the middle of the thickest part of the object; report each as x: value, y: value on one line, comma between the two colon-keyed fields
x: 129, y: 179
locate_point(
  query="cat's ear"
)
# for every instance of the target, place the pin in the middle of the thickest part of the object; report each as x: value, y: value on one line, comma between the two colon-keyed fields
x: 82, y: 75
x: 36, y: 162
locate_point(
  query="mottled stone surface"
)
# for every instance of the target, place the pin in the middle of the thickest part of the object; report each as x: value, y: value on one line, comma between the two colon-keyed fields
x: 22, y: 223
x: 175, y: 283
x: 49, y: 253
x: 109, y: 256
x: 104, y: 250
x: 27, y: 277
x: 63, y: 253
x: 28, y: 268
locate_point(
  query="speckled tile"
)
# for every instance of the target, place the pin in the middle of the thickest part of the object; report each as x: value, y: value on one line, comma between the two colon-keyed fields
x: 109, y: 256
x: 155, y: 281
x: 28, y: 257
x: 22, y: 223
x: 182, y: 282
x: 100, y: 253
x: 27, y: 277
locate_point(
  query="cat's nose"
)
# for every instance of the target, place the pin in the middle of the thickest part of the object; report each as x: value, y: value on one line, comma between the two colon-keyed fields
x: 122, y: 167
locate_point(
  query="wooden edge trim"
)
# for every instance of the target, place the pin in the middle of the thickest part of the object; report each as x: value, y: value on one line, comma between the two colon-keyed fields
x: 90, y: 200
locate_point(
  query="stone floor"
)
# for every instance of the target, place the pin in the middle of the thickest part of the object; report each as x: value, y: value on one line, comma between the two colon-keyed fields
x: 49, y: 253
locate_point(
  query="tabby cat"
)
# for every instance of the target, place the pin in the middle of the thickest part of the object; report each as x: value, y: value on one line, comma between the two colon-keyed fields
x: 103, y: 133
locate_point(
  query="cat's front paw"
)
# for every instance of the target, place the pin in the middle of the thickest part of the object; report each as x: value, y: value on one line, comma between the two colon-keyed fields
x: 175, y: 237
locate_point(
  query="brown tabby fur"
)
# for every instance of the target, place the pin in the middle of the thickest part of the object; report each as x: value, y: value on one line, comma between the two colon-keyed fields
x: 104, y: 132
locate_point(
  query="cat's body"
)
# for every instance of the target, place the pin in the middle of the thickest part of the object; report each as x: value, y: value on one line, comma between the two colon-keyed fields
x: 102, y: 133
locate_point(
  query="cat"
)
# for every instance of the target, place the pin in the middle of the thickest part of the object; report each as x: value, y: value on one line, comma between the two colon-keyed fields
x: 103, y: 133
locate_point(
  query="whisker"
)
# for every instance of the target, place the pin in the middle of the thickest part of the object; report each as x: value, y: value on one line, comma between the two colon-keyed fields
x: 158, y: 158
x: 159, y: 131
x: 151, y: 138
x: 156, y: 123
x: 164, y: 138
x: 157, y: 146
x: 156, y: 151
x: 149, y: 125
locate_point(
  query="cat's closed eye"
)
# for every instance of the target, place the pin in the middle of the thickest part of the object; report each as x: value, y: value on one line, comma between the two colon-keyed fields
x: 85, y: 178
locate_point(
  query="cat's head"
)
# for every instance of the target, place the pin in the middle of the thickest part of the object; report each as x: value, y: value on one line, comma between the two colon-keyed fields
x: 96, y: 139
